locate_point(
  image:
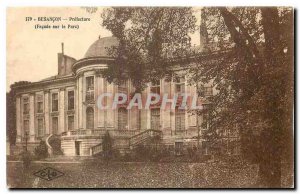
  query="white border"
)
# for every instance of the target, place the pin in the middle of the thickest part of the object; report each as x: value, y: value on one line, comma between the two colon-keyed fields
x: 18, y: 3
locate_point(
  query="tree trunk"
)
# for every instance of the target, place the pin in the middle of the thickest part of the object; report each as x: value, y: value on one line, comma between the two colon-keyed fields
x: 270, y: 165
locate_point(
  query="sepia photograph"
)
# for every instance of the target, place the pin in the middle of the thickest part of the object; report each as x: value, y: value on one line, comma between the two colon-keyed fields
x: 150, y: 97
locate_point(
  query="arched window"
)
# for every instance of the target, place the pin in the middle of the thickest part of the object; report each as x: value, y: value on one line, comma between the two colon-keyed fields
x: 90, y: 118
x: 122, y: 118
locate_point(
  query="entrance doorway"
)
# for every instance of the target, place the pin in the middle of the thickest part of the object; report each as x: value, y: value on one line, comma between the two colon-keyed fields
x: 77, y: 148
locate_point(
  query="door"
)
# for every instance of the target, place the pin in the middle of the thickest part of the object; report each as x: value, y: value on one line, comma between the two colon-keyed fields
x: 155, y: 118
x: 77, y: 148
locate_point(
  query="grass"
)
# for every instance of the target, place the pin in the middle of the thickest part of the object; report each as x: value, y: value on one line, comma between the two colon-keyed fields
x: 93, y: 174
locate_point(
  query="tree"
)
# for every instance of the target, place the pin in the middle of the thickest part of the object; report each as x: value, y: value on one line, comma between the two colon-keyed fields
x: 254, y: 79
x: 251, y: 56
x: 11, y: 118
x: 148, y: 38
x: 11, y: 113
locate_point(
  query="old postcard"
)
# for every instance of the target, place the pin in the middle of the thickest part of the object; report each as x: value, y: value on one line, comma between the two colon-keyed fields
x: 150, y: 97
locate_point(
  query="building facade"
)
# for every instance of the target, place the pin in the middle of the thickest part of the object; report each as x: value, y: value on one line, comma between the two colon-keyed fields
x: 65, y: 105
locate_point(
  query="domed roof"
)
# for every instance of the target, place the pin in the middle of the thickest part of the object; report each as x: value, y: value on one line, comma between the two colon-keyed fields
x: 99, y: 47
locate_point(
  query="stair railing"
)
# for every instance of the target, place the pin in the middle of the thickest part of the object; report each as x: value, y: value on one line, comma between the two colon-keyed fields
x: 96, y: 149
x: 141, y: 137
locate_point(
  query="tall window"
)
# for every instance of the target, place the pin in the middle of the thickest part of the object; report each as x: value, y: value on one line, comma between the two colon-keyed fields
x: 40, y: 126
x: 155, y: 87
x: 54, y: 125
x: 204, y: 121
x: 90, y: 88
x: 122, y: 87
x: 155, y: 118
x: 139, y: 120
x: 70, y: 100
x: 26, y: 126
x: 205, y: 116
x: 39, y: 103
x: 25, y: 105
x: 90, y: 83
x: 122, y: 118
x: 54, y: 102
x: 179, y: 84
x: 179, y: 119
x: 70, y: 123
x: 90, y: 118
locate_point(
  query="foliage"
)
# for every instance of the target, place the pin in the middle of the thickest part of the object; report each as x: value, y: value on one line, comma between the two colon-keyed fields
x: 11, y: 112
x: 254, y: 80
x: 249, y: 58
x: 148, y: 37
x: 55, y: 143
x: 41, y: 151
x: 11, y: 117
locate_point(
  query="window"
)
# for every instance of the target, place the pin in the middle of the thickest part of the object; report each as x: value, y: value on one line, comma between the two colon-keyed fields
x: 155, y: 118
x: 122, y: 87
x: 179, y: 84
x: 70, y: 100
x: 90, y: 83
x: 89, y: 88
x: 39, y: 103
x: 208, y: 91
x: 205, y: 116
x: 155, y: 87
x: 90, y: 118
x: 70, y: 123
x: 54, y: 125
x: 122, y: 118
x: 25, y: 105
x: 40, y: 126
x: 179, y: 119
x: 26, y: 126
x: 205, y: 121
x: 139, y: 120
x: 54, y: 102
x: 205, y: 91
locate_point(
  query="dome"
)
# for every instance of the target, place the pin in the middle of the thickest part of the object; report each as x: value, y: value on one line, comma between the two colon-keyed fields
x: 99, y: 47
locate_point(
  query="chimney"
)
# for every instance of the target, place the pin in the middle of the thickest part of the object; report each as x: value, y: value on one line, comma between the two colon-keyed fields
x: 62, y: 48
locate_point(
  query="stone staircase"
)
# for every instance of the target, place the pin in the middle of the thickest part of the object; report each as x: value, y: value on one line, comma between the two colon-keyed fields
x: 144, y: 137
x: 135, y: 140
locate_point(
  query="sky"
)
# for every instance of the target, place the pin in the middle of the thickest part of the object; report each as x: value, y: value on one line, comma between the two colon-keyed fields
x: 32, y: 53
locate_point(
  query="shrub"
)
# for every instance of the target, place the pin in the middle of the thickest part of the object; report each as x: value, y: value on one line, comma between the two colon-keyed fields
x: 193, y: 153
x: 142, y: 152
x: 55, y: 143
x: 41, y: 151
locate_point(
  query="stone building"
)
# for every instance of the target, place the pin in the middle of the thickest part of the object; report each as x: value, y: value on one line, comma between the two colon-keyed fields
x: 65, y: 106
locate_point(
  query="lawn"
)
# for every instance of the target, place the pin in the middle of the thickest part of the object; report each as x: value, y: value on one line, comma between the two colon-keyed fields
x: 134, y: 175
